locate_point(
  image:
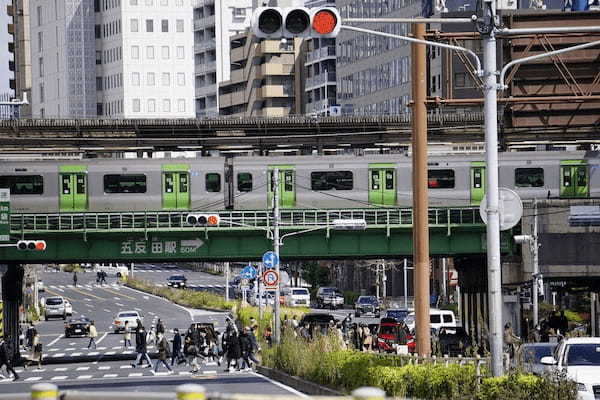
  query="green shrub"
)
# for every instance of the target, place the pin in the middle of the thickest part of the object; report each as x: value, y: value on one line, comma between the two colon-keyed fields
x: 573, y: 316
x: 350, y: 297
x: 527, y: 387
x: 245, y: 313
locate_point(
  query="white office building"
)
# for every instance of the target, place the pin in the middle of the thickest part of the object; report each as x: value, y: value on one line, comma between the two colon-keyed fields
x: 215, y: 21
x: 112, y: 58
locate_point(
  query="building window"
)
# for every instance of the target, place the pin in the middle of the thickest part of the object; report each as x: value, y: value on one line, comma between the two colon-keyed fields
x: 96, y: 5
x: 97, y: 32
x: 180, y: 53
x: 181, y: 105
x: 150, y: 52
x: 134, y: 23
x: 136, y: 105
x: 133, y: 2
x: 149, y: 25
x: 164, y: 51
x: 135, y: 52
x: 181, y: 79
x: 328, y: 180
x: 42, y: 95
x: 164, y: 25
x: 529, y: 177
x: 39, y: 15
x: 213, y: 182
x: 135, y: 79
x: 151, y: 105
x: 239, y: 12
x: 166, y: 105
x: 40, y: 41
x: 41, y: 65
x: 125, y: 183
x: 23, y: 184
x: 166, y: 79
x: 244, y: 182
x: 440, y: 178
x: 460, y: 80
x: 99, y: 109
x: 99, y: 83
x: 179, y: 25
x: 150, y: 79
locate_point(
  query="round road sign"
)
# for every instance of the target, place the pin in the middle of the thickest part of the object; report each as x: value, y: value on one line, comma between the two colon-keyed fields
x: 270, y: 278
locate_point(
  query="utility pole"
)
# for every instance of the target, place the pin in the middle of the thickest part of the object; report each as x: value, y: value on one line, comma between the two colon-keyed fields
x: 405, y: 283
x: 277, y: 324
x: 227, y: 281
x: 420, y: 199
x: 536, y: 269
x: 260, y: 292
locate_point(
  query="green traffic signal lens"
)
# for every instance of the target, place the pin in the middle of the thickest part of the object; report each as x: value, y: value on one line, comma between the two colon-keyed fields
x: 269, y: 21
x: 297, y: 21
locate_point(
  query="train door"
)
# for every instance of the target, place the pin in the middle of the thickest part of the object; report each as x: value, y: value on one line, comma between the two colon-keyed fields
x: 574, y: 179
x: 176, y: 187
x: 72, y: 188
x: 287, y: 186
x: 382, y: 184
x: 477, y: 182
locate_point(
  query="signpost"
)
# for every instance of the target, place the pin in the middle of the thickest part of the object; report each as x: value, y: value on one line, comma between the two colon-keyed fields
x: 4, y: 215
x: 270, y: 260
x: 270, y: 278
x: 248, y: 272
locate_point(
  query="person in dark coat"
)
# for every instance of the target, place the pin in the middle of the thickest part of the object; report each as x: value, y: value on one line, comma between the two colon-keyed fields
x: 29, y: 334
x: 5, y: 359
x: 176, y: 353
x: 248, y: 346
x: 160, y: 327
x: 141, y: 347
x: 163, y: 352
x: 234, y: 351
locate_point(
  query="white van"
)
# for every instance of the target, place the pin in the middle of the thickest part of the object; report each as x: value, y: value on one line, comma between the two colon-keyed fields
x: 437, y: 319
x: 117, y: 270
x: 296, y: 297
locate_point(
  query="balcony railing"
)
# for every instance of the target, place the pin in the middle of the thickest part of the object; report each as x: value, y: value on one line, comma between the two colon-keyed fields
x: 321, y: 79
x: 204, y: 22
x: 318, y: 54
x: 202, y: 3
x: 209, y: 66
x: 205, y: 45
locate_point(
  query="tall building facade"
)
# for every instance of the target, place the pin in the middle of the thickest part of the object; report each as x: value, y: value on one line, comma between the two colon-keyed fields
x: 112, y: 58
x: 18, y: 10
x: 215, y: 21
x: 373, y: 72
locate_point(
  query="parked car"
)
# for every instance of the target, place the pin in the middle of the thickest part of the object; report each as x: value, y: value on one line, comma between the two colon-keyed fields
x: 437, y: 318
x: 329, y: 297
x: 118, y: 270
x: 317, y: 321
x: 367, y: 305
x: 177, y: 281
x: 391, y: 335
x: 266, y: 300
x: 77, y: 327
x: 580, y: 359
x: 453, y: 341
x: 131, y: 316
x: 399, y: 314
x: 296, y: 297
x: 55, y: 307
x: 68, y: 308
x: 533, y: 354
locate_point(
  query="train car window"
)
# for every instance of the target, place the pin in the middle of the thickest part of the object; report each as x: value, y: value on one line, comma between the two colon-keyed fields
x: 169, y: 183
x: 328, y: 180
x: 288, y: 181
x: 80, y: 179
x: 132, y: 183
x: 23, y: 184
x: 66, y: 184
x: 529, y: 177
x: 440, y: 178
x: 375, y: 180
x: 244, y: 180
x: 389, y: 179
x: 581, y: 177
x: 183, y: 183
x: 213, y: 182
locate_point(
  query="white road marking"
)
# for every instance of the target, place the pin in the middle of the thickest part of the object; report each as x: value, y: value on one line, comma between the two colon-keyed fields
x: 82, y: 369
x: 84, y: 377
x: 185, y: 373
x: 146, y: 298
x: 103, y: 368
x: 33, y: 378
x: 212, y: 363
x: 136, y: 374
x: 110, y: 353
x: 126, y: 366
x: 59, y: 378
x: 209, y: 372
x: 281, y: 385
x: 70, y: 349
x: 75, y: 354
x: 86, y: 299
x: 117, y: 298
x: 110, y: 375
x: 53, y: 349
x: 106, y: 310
x: 55, y: 340
x: 116, y: 347
x: 102, y: 338
x: 93, y: 353
x: 120, y: 305
x: 60, y: 369
x: 58, y: 355
x: 102, y: 348
x: 137, y: 309
x: 72, y: 343
x: 151, y: 313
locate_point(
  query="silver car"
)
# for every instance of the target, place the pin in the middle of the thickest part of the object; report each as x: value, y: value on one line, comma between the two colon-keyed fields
x: 55, y: 307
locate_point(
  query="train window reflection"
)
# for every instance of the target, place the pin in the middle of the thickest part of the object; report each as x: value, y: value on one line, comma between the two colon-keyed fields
x: 440, y: 178
x: 22, y: 184
x: 131, y: 183
x: 328, y: 180
x: 213, y: 182
x: 244, y: 180
x: 529, y: 177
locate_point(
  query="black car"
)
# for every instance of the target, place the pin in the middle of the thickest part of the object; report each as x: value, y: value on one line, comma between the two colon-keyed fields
x: 77, y: 327
x: 453, y: 341
x: 367, y: 305
x: 318, y: 321
x: 178, y: 281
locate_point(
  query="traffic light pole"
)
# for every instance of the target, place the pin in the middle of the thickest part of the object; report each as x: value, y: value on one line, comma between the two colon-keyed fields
x: 276, y: 305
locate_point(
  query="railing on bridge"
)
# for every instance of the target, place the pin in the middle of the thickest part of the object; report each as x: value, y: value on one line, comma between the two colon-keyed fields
x: 235, y: 220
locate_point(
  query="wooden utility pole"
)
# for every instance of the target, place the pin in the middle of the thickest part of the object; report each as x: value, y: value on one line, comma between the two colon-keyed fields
x: 420, y: 199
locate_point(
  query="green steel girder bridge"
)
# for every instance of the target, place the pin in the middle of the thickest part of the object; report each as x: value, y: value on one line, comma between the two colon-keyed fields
x: 161, y: 236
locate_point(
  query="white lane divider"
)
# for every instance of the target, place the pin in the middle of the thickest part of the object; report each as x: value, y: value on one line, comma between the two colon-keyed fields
x: 75, y: 354
x: 82, y: 369
x: 119, y: 304
x: 103, y: 368
x: 59, y: 378
x: 84, y: 377
x: 117, y: 298
x: 102, y: 338
x: 55, y: 340
x: 58, y: 355
x: 33, y: 378
x: 93, y: 353
x: 136, y: 374
x: 110, y: 375
x: 59, y: 369
x: 106, y: 310
x: 70, y: 349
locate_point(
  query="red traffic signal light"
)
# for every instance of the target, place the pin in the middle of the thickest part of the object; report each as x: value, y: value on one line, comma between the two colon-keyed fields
x: 195, y: 219
x: 277, y: 23
x: 31, y: 245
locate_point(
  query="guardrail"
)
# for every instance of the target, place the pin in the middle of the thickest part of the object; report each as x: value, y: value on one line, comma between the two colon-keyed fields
x: 238, y: 220
x: 48, y: 391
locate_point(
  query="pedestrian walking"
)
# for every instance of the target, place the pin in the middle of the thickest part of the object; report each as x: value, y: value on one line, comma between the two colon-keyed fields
x: 163, y: 353
x: 74, y: 278
x: 29, y: 334
x: 92, y: 334
x: 151, y: 337
x: 141, y: 347
x: 234, y: 351
x: 36, y: 352
x: 176, y: 353
x: 102, y: 277
x: 126, y: 335
x: 98, y: 277
x: 249, y: 346
x: 190, y: 350
x: 160, y: 327
x: 5, y: 359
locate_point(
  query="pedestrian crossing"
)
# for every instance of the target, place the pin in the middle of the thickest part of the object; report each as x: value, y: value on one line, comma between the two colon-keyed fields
x: 88, y: 286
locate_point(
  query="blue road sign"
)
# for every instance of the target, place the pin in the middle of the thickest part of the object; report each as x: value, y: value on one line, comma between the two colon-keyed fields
x: 248, y: 272
x: 270, y: 260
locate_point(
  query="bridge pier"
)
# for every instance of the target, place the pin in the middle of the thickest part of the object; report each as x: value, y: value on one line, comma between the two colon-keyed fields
x: 12, y: 298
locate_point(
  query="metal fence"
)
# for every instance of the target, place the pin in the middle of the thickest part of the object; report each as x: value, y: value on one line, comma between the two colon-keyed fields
x: 48, y: 391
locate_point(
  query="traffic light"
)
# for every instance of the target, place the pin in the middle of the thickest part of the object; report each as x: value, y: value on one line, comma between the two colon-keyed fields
x: 203, y: 219
x: 277, y: 23
x: 31, y: 245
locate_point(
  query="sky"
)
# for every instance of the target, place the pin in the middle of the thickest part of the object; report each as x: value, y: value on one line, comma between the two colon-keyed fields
x: 5, y: 74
